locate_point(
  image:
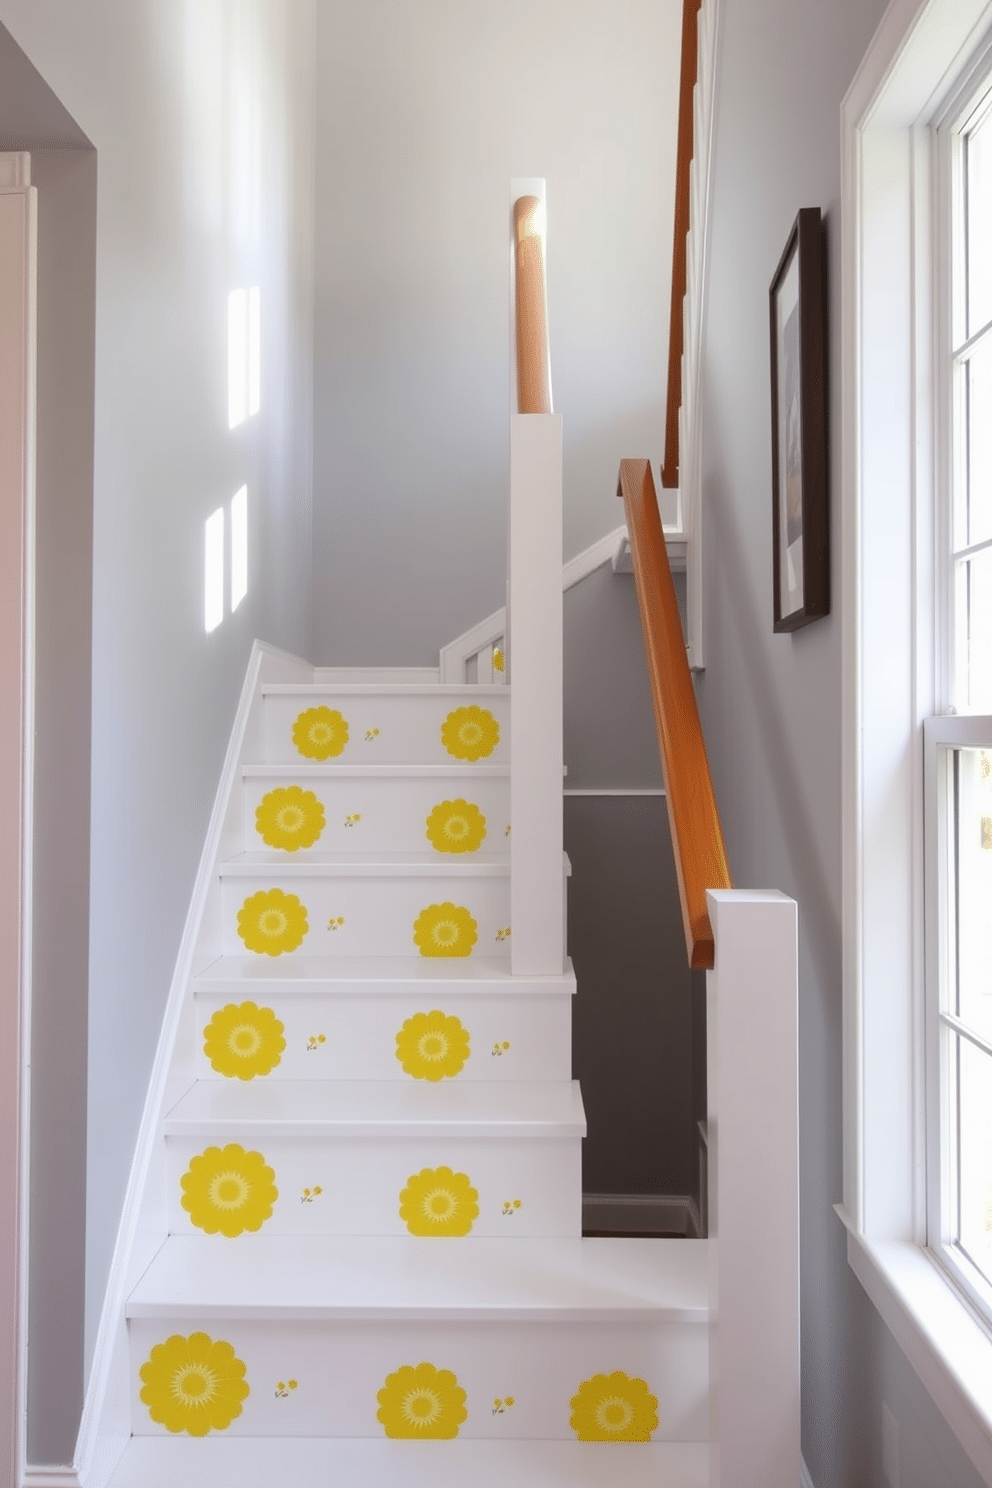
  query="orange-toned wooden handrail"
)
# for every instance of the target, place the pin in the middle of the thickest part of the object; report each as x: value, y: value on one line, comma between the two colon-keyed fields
x: 533, y: 362
x: 683, y: 161
x: 697, y: 840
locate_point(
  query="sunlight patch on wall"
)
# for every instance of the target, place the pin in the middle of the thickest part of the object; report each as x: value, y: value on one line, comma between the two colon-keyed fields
x: 213, y: 570
x: 244, y: 355
x: 237, y: 357
x: 254, y: 350
x: 239, y: 547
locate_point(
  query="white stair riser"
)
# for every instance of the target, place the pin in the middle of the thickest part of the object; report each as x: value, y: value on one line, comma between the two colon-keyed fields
x: 359, y: 1033
x: 392, y: 811
x: 378, y: 912
x: 340, y: 1367
x: 361, y: 1180
x: 408, y: 725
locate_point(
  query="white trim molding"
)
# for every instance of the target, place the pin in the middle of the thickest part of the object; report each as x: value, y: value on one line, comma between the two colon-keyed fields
x: 18, y: 360
x: 891, y: 680
x: 50, y: 1477
x: 613, y: 548
x: 641, y: 1214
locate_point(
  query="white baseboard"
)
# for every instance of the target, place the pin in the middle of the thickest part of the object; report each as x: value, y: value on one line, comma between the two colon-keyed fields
x: 641, y: 1214
x: 50, y: 1477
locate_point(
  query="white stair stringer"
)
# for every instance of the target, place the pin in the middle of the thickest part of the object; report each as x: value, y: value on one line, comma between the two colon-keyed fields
x: 331, y: 1297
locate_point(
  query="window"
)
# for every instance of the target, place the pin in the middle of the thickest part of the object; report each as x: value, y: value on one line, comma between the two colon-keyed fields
x: 958, y: 750
x: 912, y: 591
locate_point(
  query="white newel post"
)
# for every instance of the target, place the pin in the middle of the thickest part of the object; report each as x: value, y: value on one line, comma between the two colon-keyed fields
x: 752, y: 1094
x: 537, y: 884
x: 18, y: 216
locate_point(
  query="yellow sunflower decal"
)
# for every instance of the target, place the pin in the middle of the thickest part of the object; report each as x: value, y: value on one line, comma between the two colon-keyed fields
x: 244, y: 1040
x: 613, y: 1407
x: 422, y: 1402
x: 456, y: 826
x: 320, y: 733
x: 271, y: 922
x: 437, y: 1201
x: 431, y: 1046
x: 228, y: 1189
x: 445, y: 930
x: 193, y: 1384
x: 289, y: 817
x: 470, y: 733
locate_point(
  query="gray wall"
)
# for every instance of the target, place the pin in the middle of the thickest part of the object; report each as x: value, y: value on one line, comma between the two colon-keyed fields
x: 424, y: 114
x: 632, y: 1025
x: 63, y: 168
x: 771, y: 704
x: 201, y: 114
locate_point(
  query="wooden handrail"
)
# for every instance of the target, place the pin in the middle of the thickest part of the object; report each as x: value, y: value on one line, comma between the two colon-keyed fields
x: 533, y: 359
x: 697, y: 839
x: 683, y: 162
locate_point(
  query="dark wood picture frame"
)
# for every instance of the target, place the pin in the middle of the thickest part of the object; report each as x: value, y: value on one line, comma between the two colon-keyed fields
x: 800, y: 524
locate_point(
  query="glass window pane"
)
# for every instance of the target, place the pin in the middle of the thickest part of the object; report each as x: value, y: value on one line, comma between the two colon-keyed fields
x: 975, y: 1157
x: 978, y: 156
x: 973, y: 633
x: 977, y: 390
x: 973, y: 878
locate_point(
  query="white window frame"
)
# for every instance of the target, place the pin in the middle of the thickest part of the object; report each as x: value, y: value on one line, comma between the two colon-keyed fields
x: 894, y: 678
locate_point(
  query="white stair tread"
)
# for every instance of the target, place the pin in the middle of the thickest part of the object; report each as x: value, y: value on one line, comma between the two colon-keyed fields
x: 281, y: 1462
x: 374, y: 674
x: 312, y: 863
x: 467, y: 690
x: 549, y: 1109
x: 306, y: 769
x: 333, y: 1277
x: 422, y: 976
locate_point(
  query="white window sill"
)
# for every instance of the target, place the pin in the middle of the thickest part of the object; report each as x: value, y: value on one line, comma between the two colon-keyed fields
x: 949, y: 1349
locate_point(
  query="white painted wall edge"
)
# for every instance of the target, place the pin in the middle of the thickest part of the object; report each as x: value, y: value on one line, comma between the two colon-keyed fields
x: 102, y: 1439
x: 805, y: 1481
x: 611, y: 548
x: 697, y: 262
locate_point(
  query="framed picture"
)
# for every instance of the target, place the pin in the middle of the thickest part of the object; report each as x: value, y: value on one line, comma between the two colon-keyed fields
x: 800, y: 532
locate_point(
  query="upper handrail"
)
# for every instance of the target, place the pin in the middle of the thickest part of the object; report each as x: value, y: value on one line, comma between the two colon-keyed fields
x: 683, y: 164
x: 697, y: 838
x: 533, y: 356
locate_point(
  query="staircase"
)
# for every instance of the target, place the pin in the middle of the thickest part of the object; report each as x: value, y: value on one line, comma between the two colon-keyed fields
x: 369, y: 1179
x: 351, y: 1248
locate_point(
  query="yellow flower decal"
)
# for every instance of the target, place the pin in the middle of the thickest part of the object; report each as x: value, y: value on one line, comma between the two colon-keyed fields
x: 244, y: 1040
x: 193, y: 1384
x: 613, y: 1407
x: 437, y: 1201
x: 456, y: 826
x: 470, y: 733
x: 422, y: 1402
x: 271, y: 922
x: 289, y: 817
x: 228, y: 1189
x: 320, y: 733
x: 445, y: 930
x: 431, y: 1046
